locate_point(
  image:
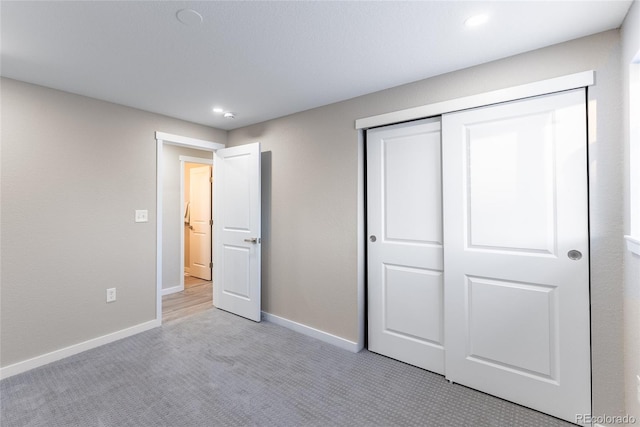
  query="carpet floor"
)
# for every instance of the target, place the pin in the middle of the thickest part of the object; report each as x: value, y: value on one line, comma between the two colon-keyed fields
x: 216, y: 369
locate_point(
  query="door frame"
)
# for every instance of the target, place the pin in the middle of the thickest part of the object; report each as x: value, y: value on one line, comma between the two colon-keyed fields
x: 182, y: 141
x: 183, y: 160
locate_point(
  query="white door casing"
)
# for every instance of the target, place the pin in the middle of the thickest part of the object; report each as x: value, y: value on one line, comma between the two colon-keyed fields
x: 236, y: 217
x: 515, y: 212
x: 405, y: 262
x: 199, y: 225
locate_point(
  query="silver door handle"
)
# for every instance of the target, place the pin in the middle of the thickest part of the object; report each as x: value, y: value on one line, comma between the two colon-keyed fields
x: 253, y: 240
x: 574, y: 254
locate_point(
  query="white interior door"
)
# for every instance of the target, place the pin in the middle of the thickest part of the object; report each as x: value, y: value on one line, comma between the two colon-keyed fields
x: 404, y: 223
x: 516, y: 252
x: 199, y: 222
x: 236, y: 217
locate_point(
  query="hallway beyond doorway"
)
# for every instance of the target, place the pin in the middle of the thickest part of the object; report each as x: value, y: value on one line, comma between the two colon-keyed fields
x: 196, y: 297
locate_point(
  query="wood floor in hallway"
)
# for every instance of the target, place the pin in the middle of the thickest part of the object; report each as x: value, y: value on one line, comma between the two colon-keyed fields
x: 196, y: 297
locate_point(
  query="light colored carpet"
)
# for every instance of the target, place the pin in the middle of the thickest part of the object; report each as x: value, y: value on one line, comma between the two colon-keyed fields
x: 216, y: 369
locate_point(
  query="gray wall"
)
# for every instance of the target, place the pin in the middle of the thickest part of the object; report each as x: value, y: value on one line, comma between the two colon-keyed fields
x: 74, y: 169
x: 631, y: 46
x: 310, y: 255
x: 172, y: 213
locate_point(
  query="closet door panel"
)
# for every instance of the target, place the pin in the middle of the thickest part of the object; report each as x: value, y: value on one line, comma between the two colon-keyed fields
x: 404, y: 209
x: 516, y: 252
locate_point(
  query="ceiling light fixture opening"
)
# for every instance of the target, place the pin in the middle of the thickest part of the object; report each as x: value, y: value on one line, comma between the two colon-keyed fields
x: 229, y: 115
x: 218, y: 110
x: 477, y: 20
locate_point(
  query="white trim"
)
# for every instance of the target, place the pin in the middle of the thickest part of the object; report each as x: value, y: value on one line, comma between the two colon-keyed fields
x: 159, y: 179
x: 361, y: 249
x: 26, y: 365
x: 185, y: 141
x: 312, y: 332
x: 201, y: 160
x: 633, y: 244
x: 173, y: 289
x: 182, y: 141
x: 634, y: 146
x: 543, y: 87
x: 181, y: 219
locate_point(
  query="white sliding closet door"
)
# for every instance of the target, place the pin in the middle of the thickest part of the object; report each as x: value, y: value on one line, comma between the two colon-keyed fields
x: 404, y: 204
x: 516, y: 252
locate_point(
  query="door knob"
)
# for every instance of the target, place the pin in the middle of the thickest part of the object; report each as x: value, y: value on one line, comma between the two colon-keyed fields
x: 574, y: 254
x: 372, y: 238
x: 252, y: 240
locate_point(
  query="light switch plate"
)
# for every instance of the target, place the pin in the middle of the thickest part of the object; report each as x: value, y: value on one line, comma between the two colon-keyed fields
x: 142, y: 215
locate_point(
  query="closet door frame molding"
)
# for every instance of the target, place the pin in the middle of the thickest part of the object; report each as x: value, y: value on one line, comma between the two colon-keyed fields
x: 543, y: 87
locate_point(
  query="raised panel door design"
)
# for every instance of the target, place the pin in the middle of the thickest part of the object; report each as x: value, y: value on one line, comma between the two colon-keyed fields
x: 237, y: 215
x: 236, y: 268
x: 404, y: 215
x: 408, y: 161
x: 510, y: 181
x: 520, y: 314
x: 515, y: 207
x: 412, y: 305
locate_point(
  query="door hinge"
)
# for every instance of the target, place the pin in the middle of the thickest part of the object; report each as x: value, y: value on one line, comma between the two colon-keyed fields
x: 211, y: 180
x: 210, y: 222
x: 210, y: 265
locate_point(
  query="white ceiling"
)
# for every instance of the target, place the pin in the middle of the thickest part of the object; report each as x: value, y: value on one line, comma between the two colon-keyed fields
x: 268, y: 59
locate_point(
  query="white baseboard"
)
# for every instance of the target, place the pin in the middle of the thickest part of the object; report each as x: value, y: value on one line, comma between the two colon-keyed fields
x: 172, y: 290
x: 35, y: 362
x: 26, y: 365
x: 312, y: 332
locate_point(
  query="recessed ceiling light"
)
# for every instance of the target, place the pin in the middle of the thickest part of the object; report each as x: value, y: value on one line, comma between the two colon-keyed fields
x: 476, y: 20
x: 189, y: 17
x: 218, y: 110
x: 229, y: 115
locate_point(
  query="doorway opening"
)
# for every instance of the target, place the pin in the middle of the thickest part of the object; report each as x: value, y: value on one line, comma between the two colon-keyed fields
x: 195, y: 290
x: 197, y: 219
x: 237, y: 207
x: 182, y: 298
x: 196, y: 297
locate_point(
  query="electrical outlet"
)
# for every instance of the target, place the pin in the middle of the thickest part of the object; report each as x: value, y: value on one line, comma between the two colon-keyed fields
x: 111, y: 294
